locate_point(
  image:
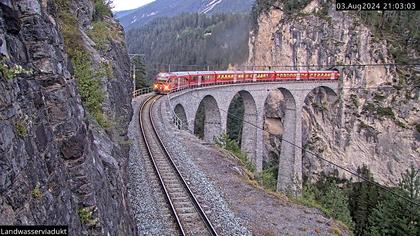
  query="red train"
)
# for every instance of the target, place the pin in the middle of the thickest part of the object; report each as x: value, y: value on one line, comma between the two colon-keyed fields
x: 174, y: 81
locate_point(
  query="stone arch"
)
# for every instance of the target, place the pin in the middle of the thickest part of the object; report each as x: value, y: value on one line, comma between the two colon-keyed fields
x: 322, y: 92
x: 286, y: 164
x: 212, y: 119
x: 182, y: 116
x: 249, y: 129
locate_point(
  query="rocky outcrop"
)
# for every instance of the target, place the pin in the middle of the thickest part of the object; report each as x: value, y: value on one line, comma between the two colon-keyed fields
x: 60, y: 162
x: 373, y: 119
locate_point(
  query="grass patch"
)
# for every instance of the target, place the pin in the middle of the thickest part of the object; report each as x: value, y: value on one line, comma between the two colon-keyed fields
x: 330, y: 200
x: 230, y: 145
x: 86, y: 216
x: 36, y: 192
x: 102, y: 9
x: 87, y: 78
x: 378, y: 110
x: 268, y: 178
x: 100, y: 34
x: 21, y: 128
x: 10, y: 72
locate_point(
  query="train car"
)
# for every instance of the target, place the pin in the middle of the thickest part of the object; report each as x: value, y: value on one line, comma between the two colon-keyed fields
x: 174, y: 81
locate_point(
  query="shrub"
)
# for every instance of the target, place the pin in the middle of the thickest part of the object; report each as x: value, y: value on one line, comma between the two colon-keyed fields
x: 85, y: 216
x: 102, y: 9
x: 21, y: 128
x: 99, y: 34
x: 36, y: 192
x: 385, y: 111
x: 268, y: 178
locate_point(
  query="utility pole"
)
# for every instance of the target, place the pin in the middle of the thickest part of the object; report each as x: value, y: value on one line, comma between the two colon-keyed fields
x: 134, y: 76
x: 132, y: 56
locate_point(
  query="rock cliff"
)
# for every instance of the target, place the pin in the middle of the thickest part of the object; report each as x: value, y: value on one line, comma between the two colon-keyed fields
x: 373, y: 120
x: 65, y: 105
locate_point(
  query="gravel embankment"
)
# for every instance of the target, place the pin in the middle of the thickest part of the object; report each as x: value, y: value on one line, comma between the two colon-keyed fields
x: 235, y: 204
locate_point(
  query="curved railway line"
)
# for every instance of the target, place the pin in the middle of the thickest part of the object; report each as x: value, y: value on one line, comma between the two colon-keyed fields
x: 184, y: 214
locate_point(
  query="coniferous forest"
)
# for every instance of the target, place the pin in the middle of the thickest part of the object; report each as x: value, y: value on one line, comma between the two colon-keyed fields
x: 191, y: 42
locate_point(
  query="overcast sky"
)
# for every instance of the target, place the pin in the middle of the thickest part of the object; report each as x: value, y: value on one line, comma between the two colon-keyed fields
x: 120, y: 5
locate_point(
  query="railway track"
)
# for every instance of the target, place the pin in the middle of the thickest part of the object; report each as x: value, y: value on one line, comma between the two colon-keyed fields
x: 184, y: 215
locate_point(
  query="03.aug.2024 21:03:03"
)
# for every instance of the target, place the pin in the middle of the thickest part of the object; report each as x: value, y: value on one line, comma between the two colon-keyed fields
x: 376, y: 5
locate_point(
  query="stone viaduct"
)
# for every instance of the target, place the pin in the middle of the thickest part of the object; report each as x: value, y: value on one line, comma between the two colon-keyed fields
x: 216, y: 100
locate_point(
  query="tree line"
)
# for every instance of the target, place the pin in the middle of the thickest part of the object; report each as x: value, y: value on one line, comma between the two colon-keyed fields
x: 191, y: 39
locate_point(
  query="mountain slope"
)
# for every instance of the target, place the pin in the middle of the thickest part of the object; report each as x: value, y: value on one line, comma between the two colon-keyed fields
x: 159, y: 8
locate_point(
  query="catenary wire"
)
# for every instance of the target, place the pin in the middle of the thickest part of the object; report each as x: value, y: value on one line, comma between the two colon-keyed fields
x: 323, y: 159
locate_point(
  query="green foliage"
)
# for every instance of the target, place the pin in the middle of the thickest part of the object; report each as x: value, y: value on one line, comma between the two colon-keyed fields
x: 228, y: 144
x: 336, y: 203
x: 309, y: 197
x: 88, y: 84
x: 268, y: 178
x: 102, y: 9
x: 410, y: 182
x: 328, y: 197
x: 363, y: 197
x: 21, y: 128
x: 140, y: 73
x: 400, y: 28
x: 6, y: 72
x: 235, y: 119
x: 86, y: 216
x: 87, y: 78
x: 379, y: 111
x: 99, y: 34
x: 36, y: 192
x: 373, y: 211
x: 191, y: 39
x: 10, y: 72
x: 397, y: 216
x: 102, y: 32
x: 385, y: 111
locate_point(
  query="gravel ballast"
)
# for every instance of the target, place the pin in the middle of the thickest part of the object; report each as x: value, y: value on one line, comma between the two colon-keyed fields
x: 148, y: 216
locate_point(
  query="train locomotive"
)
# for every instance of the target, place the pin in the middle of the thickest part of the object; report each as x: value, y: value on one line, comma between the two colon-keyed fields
x: 174, y: 81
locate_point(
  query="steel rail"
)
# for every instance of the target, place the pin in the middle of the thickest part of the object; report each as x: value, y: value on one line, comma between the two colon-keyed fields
x: 178, y: 222
x: 177, y: 172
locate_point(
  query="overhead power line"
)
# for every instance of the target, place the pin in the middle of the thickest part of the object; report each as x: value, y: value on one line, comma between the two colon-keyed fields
x: 289, y: 66
x: 323, y: 159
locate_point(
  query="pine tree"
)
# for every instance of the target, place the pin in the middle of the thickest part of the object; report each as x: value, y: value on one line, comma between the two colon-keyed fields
x: 336, y: 202
x: 363, y: 197
x: 140, y: 73
x: 395, y: 215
